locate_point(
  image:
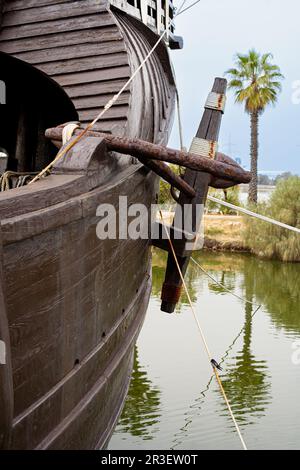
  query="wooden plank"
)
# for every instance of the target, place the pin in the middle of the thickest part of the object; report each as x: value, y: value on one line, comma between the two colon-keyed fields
x: 117, y: 127
x: 116, y: 112
x: 56, y: 27
x: 71, y: 52
x: 208, y: 129
x: 98, y: 35
x: 68, y: 392
x: 61, y: 269
x: 13, y: 5
x: 6, y: 384
x: 90, y: 76
x: 95, y: 88
x: 51, y: 190
x: 53, y: 12
x: 86, y: 102
x: 89, y: 63
x: 74, y: 317
x: 74, y: 388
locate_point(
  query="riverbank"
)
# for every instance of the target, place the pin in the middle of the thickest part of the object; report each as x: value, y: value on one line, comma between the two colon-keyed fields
x: 224, y: 233
x: 221, y: 232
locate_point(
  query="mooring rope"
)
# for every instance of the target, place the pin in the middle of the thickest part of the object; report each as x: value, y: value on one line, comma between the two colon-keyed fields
x: 222, y: 285
x: 112, y: 101
x: 211, y: 360
x: 189, y: 6
x: 180, y: 128
x: 195, y: 405
x: 254, y: 214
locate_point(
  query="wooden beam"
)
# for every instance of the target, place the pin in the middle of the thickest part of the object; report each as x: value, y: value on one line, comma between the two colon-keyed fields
x: 6, y: 382
x: 208, y: 129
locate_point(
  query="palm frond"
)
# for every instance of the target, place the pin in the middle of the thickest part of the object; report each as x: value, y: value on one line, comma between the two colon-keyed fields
x: 255, y: 80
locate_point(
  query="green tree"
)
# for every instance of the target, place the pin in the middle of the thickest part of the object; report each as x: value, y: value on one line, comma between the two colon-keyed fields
x: 256, y: 82
x: 270, y: 241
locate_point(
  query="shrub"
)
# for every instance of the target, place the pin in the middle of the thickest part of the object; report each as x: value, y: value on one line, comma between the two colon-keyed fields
x: 230, y: 195
x: 165, y: 196
x: 269, y: 241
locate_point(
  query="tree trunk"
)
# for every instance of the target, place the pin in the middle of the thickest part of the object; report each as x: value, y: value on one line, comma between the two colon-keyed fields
x: 252, y: 196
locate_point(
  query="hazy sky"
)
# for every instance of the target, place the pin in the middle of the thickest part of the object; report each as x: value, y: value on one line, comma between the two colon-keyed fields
x: 213, y: 31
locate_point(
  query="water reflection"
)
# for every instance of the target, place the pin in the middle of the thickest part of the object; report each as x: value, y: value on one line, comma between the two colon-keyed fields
x: 158, y: 272
x: 273, y: 284
x: 141, y: 411
x: 246, y: 380
x: 256, y: 364
x: 276, y: 286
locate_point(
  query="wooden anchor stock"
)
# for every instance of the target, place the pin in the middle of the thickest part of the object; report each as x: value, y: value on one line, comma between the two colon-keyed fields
x: 208, y: 129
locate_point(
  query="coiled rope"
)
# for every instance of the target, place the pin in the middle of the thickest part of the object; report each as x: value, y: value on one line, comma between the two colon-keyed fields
x: 210, y: 358
x: 14, y: 179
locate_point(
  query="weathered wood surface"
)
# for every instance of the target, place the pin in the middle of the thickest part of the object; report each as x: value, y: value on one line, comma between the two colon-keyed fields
x: 74, y: 303
x: 165, y: 172
x: 65, y: 289
x: 79, y: 43
x: 6, y: 383
x: 222, y: 167
x: 208, y: 129
x: 33, y: 102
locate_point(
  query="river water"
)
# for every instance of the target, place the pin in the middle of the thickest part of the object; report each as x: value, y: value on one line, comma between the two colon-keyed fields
x: 174, y: 401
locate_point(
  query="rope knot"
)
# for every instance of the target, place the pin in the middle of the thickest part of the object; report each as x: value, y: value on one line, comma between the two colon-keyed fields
x: 215, y: 364
x: 110, y: 103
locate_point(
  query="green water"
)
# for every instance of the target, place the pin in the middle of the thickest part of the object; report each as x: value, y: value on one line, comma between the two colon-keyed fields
x: 175, y: 403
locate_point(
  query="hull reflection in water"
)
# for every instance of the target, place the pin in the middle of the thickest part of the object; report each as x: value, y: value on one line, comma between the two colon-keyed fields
x: 141, y: 411
x: 255, y: 349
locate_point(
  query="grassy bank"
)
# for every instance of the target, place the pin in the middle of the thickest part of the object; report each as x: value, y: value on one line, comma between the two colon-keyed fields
x: 221, y: 232
x: 224, y: 233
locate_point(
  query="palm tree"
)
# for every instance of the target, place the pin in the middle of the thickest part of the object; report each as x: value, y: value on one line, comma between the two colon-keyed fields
x: 256, y: 83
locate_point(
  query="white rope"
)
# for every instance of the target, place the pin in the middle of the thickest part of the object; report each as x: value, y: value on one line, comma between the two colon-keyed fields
x: 188, y: 7
x: 211, y: 360
x: 216, y: 101
x: 205, y: 148
x: 68, y: 131
x: 180, y: 128
x: 110, y: 103
x: 254, y: 214
x: 222, y: 285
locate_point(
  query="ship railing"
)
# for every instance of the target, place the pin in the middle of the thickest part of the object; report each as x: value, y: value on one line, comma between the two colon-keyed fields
x: 156, y: 14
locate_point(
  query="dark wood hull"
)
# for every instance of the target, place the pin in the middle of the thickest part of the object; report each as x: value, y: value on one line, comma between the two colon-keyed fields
x: 75, y: 305
x: 71, y: 305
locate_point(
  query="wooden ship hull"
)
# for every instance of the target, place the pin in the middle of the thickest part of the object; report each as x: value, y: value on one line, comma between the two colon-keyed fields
x: 71, y: 305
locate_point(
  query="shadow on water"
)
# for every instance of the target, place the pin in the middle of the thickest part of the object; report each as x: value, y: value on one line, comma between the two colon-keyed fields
x: 141, y: 411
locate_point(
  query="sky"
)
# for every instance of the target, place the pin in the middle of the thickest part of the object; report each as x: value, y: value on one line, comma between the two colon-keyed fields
x: 213, y: 32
